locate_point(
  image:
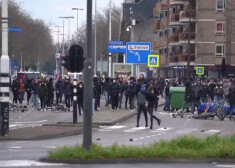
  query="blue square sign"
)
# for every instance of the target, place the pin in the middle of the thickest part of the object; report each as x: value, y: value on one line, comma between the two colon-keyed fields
x: 153, y: 61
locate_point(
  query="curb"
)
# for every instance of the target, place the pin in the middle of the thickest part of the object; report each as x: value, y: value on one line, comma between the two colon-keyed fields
x: 138, y: 161
x: 42, y: 137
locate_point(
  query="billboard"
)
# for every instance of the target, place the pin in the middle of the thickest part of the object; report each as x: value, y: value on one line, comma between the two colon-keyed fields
x: 122, y: 70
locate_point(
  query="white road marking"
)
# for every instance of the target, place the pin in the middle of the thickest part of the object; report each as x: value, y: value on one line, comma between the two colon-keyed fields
x: 226, y: 166
x: 212, y: 131
x: 135, y: 129
x: 163, y: 113
x: 31, y: 122
x: 25, y: 163
x: 186, y: 131
x: 103, y: 130
x: 50, y: 147
x: 15, y: 147
x: 162, y: 129
x: 115, y: 127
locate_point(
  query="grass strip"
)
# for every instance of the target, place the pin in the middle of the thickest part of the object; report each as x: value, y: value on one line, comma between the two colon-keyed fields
x: 182, y: 147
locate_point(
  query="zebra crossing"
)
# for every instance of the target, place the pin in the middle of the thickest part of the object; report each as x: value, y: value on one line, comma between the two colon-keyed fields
x: 161, y: 130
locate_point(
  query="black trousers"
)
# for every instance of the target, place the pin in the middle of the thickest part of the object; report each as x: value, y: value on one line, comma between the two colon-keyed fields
x: 80, y: 108
x: 29, y: 94
x: 152, y: 116
x: 126, y: 100
x: 15, y: 97
x: 43, y: 103
x: 114, y: 101
x: 97, y: 103
x: 59, y: 97
x: 143, y: 109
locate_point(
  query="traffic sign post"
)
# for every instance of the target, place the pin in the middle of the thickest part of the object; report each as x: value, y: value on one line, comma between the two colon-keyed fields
x: 153, y: 61
x: 200, y: 70
x: 137, y: 52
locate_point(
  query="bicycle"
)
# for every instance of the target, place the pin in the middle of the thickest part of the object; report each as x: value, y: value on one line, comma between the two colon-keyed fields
x: 57, y: 108
x: 17, y: 107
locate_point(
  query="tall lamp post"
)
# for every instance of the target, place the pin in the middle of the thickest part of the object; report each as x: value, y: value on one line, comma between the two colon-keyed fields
x: 58, y: 48
x: 110, y: 37
x: 69, y: 17
x: 77, y: 9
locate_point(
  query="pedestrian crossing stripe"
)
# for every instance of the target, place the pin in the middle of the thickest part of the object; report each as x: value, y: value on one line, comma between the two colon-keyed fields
x: 153, y: 61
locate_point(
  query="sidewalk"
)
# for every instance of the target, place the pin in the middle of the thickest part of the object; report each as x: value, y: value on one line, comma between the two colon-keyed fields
x: 67, y: 128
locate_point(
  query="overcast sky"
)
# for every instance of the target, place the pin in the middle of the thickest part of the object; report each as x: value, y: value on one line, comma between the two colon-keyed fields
x: 50, y: 10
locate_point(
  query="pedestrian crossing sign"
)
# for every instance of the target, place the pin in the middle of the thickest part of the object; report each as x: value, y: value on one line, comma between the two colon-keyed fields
x: 200, y: 70
x: 153, y: 61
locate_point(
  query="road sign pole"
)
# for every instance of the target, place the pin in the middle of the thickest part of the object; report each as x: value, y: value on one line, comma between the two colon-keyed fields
x: 4, y: 72
x: 75, y: 99
x: 88, y: 70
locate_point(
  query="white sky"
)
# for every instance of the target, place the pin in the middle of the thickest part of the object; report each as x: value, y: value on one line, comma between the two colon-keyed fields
x: 51, y: 10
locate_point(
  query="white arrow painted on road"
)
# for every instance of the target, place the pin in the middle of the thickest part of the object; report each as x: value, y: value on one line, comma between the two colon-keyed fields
x: 31, y: 122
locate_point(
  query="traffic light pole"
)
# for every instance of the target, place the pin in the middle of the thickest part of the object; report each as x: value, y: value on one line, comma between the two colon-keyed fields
x: 88, y: 89
x: 4, y: 73
x: 75, y: 100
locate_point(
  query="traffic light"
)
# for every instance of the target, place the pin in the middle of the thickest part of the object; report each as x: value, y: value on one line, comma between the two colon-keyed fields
x: 76, y: 58
x: 65, y: 62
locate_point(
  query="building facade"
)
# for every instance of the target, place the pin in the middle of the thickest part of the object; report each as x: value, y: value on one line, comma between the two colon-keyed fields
x: 195, y: 33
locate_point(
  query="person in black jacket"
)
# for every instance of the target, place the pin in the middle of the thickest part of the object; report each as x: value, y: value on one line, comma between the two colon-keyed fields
x: 80, y: 97
x: 114, y: 91
x: 97, y: 85
x: 29, y: 90
x: 126, y: 85
x: 151, y: 98
x: 121, y: 91
x: 68, y: 92
x: 167, y: 96
x: 15, y: 89
x: 51, y: 90
x: 131, y: 94
x: 231, y: 96
x: 59, y: 91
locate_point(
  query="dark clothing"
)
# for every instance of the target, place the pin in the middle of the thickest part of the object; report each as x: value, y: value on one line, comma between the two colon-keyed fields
x: 80, y: 99
x: 141, y: 109
x: 114, y: 92
x: 106, y: 86
x: 42, y: 92
x: 68, y: 92
x: 59, y: 86
x: 50, y: 93
x: 211, y: 90
x: 29, y: 90
x: 35, y: 88
x: 231, y: 97
x: 15, y: 89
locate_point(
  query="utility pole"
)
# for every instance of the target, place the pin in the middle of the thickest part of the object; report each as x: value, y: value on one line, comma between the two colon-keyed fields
x: 4, y: 73
x: 110, y: 37
x: 88, y: 96
x: 95, y: 47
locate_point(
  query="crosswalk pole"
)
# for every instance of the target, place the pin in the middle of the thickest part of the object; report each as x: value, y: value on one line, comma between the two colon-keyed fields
x: 4, y: 72
x: 75, y: 116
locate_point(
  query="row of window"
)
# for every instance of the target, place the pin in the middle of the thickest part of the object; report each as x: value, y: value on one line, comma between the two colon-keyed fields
x: 219, y: 50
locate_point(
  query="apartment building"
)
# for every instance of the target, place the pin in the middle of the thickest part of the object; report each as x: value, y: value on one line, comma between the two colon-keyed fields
x: 197, y: 31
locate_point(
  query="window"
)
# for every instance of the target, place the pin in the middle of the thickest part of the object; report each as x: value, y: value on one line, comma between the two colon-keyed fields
x: 160, y: 51
x: 220, y: 5
x: 220, y: 28
x: 165, y: 50
x: 219, y: 50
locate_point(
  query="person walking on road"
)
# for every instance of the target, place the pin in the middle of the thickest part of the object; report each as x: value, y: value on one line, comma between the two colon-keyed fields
x: 15, y: 89
x: 106, y: 89
x: 151, y: 98
x: 142, y: 104
x: 114, y: 91
x: 166, y: 93
x: 51, y: 90
x: 121, y: 91
x: 126, y: 85
x: 35, y: 88
x: 59, y: 91
x: 80, y: 97
x: 29, y: 90
x: 21, y: 91
x: 42, y: 94
x: 68, y: 91
x: 131, y: 94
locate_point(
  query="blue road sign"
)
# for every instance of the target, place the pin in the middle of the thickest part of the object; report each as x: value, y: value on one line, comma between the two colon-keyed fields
x: 117, y: 49
x: 14, y: 64
x: 115, y: 42
x: 14, y: 29
x: 137, y: 52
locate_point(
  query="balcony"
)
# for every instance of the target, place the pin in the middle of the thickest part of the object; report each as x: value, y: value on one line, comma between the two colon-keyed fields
x: 174, y: 59
x: 174, y: 40
x: 174, y: 20
x: 184, y: 37
x: 157, y: 44
x: 187, y: 16
x: 157, y: 27
x: 176, y: 2
x: 184, y: 58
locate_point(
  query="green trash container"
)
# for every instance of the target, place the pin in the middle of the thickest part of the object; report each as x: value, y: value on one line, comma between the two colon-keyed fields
x: 177, y: 98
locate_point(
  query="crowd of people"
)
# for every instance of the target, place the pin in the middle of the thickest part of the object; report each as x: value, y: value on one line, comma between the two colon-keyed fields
x: 140, y: 94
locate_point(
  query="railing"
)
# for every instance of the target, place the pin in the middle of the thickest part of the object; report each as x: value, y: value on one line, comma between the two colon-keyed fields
x: 174, y: 59
x: 184, y: 58
x: 174, y: 18
x: 187, y: 14
x: 174, y: 39
x: 184, y: 36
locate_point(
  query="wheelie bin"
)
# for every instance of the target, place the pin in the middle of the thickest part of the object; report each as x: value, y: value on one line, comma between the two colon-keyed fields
x: 177, y: 98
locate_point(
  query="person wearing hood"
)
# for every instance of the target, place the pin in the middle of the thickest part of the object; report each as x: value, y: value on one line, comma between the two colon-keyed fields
x: 131, y: 94
x: 114, y: 92
x: 151, y: 98
x: 42, y: 94
x: 29, y: 90
x: 142, y: 104
x: 80, y: 91
x: 59, y: 91
x: 68, y: 92
x: 21, y: 91
x: 15, y: 89
x: 98, y: 87
x: 50, y: 92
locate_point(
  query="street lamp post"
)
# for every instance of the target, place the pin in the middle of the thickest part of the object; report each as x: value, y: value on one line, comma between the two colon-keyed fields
x: 110, y: 37
x: 62, y: 68
x: 77, y: 9
x: 69, y: 17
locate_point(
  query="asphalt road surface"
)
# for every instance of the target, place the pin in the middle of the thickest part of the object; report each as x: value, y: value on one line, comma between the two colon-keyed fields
x: 26, y: 152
